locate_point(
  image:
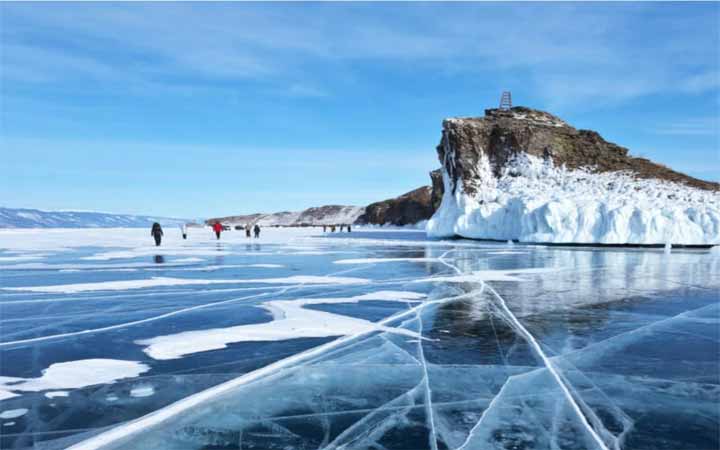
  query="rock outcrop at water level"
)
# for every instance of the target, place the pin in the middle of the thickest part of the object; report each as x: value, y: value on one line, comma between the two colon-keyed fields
x: 408, y: 209
x: 527, y: 175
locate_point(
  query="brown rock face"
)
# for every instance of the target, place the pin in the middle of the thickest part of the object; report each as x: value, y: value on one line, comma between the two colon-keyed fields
x: 409, y: 208
x: 503, y: 133
x: 437, y: 189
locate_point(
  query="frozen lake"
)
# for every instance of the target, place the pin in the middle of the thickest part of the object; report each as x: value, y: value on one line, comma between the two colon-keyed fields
x: 368, y: 340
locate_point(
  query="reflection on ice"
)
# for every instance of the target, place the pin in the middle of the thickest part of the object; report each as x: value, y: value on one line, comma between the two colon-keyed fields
x: 479, y: 276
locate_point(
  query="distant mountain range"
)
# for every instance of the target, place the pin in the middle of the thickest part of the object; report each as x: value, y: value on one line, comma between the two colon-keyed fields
x: 35, y: 218
x: 321, y: 215
x: 410, y: 208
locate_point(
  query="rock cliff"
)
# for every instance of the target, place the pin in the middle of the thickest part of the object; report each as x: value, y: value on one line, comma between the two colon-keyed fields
x: 502, y: 134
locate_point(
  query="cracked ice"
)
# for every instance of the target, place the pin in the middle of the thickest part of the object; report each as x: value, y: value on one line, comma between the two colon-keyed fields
x: 304, y: 342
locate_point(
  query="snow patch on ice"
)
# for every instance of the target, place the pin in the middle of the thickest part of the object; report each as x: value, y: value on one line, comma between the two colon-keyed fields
x: 188, y: 260
x: 144, y: 390
x: 53, y: 394
x: 4, y: 395
x: 80, y: 267
x: 167, y: 281
x: 75, y: 374
x: 534, y: 201
x: 13, y: 413
x: 117, y: 285
x: 20, y: 258
x: 291, y: 321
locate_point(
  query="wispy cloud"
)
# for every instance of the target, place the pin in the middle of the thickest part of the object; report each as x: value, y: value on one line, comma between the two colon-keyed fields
x: 572, y: 55
x: 701, y: 82
x: 305, y: 90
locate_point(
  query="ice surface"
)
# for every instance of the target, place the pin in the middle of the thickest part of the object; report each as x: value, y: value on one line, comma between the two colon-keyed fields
x: 534, y: 201
x: 480, y: 346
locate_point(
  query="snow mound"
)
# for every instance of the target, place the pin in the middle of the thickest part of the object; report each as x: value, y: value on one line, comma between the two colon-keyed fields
x: 532, y: 200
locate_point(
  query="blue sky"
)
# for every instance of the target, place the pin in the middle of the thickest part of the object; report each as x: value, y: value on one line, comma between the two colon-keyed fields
x: 193, y: 110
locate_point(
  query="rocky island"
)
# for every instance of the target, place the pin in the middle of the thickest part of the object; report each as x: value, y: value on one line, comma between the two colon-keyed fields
x: 526, y: 175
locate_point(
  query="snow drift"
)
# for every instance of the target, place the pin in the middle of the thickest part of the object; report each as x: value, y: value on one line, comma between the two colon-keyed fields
x: 531, y: 178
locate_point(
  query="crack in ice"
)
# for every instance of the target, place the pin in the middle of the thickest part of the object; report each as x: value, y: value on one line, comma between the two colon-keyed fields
x: 426, y: 384
x: 551, y: 368
x: 157, y: 417
x: 127, y: 324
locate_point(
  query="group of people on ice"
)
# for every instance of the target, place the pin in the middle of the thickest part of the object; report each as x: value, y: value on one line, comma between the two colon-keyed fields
x: 157, y: 232
x: 333, y: 228
x: 250, y: 230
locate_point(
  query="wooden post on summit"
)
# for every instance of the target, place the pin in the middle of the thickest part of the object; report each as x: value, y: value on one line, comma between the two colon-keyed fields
x: 505, y: 100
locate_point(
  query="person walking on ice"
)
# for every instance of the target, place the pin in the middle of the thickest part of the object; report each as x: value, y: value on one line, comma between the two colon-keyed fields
x: 157, y: 233
x: 257, y: 231
x: 217, y: 228
x: 247, y: 230
x: 183, y: 230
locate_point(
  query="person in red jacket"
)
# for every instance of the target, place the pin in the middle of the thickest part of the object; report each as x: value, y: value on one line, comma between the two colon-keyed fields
x: 217, y: 228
